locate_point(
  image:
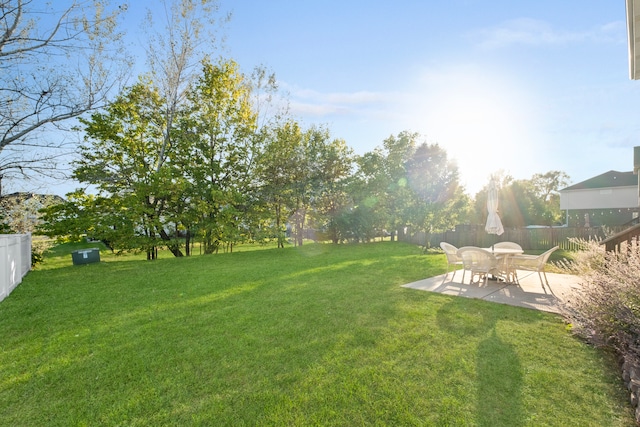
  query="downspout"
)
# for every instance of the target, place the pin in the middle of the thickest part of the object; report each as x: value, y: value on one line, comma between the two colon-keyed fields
x: 636, y: 168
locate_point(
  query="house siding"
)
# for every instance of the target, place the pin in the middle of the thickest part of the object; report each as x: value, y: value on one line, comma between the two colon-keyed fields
x: 599, y: 198
x: 600, y: 217
x: 609, y: 199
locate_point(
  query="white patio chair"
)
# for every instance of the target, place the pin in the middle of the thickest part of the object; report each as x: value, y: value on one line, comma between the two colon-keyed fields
x: 452, y: 258
x: 479, y: 262
x: 535, y: 263
x: 507, y: 245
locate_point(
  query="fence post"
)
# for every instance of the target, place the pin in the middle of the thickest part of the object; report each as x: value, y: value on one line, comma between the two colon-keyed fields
x: 4, y: 268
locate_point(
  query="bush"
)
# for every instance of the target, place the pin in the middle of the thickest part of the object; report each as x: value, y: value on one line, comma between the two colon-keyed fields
x: 38, y: 248
x: 607, y: 311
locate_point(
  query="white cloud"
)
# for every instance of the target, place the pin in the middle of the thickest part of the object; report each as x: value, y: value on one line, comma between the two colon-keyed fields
x: 351, y: 98
x: 318, y: 109
x: 526, y: 31
x: 359, y: 105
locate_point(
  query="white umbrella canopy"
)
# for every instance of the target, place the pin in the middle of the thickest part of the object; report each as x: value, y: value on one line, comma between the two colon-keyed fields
x: 494, y: 225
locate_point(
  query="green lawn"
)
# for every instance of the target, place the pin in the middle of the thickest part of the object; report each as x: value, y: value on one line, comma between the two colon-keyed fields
x: 317, y: 335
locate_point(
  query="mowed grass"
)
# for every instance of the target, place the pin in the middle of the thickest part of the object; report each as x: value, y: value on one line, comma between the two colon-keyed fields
x: 316, y: 335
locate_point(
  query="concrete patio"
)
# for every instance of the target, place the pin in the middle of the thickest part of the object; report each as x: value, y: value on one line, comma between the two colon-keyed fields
x: 529, y: 293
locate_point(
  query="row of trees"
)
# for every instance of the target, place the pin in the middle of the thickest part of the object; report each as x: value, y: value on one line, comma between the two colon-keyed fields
x: 523, y: 202
x: 221, y: 174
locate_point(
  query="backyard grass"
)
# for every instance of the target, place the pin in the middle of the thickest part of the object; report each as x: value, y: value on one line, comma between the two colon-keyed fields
x: 316, y: 335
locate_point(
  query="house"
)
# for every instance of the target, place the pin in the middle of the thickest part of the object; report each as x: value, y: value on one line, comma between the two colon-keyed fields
x: 20, y: 211
x: 608, y: 199
x: 612, y: 198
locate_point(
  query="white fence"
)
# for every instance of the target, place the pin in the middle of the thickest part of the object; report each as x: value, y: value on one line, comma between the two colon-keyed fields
x: 15, y: 261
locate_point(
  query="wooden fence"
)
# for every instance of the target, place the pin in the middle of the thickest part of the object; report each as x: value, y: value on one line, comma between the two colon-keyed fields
x: 529, y: 238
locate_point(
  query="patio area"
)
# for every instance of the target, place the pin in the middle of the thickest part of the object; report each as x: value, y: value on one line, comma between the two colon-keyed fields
x: 529, y: 293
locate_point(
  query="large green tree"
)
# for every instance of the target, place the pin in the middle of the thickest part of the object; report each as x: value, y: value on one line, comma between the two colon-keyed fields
x: 120, y: 158
x: 439, y: 202
x: 280, y: 169
x: 215, y: 154
x: 406, y: 183
x: 398, y: 196
x: 547, y: 187
x: 329, y: 165
x: 523, y: 202
x: 368, y: 187
x: 301, y: 175
x: 199, y: 182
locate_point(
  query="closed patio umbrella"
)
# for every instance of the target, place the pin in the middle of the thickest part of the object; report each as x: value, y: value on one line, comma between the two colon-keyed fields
x: 494, y: 225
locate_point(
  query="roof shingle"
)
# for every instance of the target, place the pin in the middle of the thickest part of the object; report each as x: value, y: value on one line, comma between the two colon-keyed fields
x: 605, y: 180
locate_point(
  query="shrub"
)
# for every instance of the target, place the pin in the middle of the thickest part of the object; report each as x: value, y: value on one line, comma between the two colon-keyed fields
x: 607, y: 310
x: 38, y: 248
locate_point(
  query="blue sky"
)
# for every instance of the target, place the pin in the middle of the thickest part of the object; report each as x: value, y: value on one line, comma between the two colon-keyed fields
x: 519, y: 86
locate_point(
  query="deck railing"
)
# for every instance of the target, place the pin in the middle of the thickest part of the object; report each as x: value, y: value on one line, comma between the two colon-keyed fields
x: 615, y: 241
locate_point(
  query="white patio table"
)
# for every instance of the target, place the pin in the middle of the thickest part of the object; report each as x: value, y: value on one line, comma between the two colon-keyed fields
x: 504, y: 255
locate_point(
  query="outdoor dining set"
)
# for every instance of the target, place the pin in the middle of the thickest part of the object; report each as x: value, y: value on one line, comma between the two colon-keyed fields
x: 501, y: 261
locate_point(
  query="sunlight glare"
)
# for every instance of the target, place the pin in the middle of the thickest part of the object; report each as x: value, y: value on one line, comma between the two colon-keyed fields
x: 481, y: 118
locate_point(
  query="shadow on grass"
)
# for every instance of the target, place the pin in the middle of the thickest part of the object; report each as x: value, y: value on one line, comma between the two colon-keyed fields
x: 500, y: 381
x: 499, y: 376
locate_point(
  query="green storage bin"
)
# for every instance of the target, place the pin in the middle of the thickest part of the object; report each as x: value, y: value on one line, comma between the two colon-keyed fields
x: 85, y: 256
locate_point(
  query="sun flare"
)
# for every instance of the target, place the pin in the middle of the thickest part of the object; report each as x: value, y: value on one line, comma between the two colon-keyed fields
x: 483, y: 120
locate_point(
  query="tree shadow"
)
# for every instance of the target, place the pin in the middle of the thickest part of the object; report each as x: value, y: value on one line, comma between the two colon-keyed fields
x: 499, y: 376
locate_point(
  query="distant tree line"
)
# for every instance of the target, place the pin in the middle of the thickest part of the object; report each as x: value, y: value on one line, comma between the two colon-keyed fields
x: 223, y: 178
x: 523, y: 202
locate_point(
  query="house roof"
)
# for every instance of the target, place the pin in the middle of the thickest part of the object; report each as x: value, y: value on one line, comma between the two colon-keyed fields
x: 606, y: 180
x: 26, y: 196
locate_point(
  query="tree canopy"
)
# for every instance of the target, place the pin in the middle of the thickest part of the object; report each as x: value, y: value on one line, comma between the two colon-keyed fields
x: 523, y: 202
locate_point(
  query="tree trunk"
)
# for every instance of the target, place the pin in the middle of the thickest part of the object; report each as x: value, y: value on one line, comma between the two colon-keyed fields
x: 299, y: 218
x: 188, y: 242
x: 278, y: 226
x: 174, y: 247
x: 151, y: 252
